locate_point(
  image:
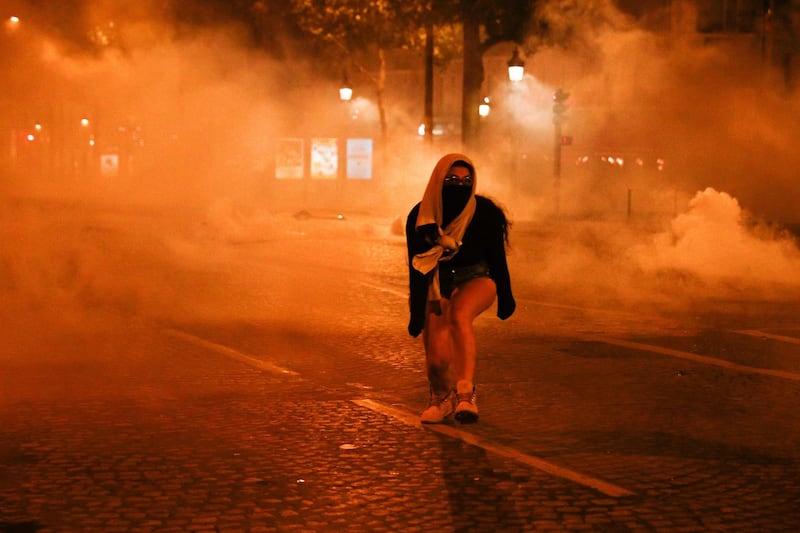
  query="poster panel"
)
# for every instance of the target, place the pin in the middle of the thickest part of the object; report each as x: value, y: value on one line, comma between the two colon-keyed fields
x: 289, y: 159
x: 359, y: 159
x: 324, y: 158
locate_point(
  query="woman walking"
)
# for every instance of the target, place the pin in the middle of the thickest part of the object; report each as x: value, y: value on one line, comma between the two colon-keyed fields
x: 457, y: 267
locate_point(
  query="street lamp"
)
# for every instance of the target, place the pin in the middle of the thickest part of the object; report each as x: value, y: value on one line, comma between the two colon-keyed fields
x: 12, y: 23
x: 345, y: 91
x: 516, y: 66
x: 483, y: 108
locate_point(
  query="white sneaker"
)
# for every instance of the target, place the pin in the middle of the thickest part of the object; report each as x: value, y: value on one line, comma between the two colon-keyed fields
x: 440, y: 406
x: 466, y: 402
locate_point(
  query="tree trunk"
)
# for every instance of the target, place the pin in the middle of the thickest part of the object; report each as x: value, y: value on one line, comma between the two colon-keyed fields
x: 429, y: 83
x: 472, y: 76
x: 380, y: 89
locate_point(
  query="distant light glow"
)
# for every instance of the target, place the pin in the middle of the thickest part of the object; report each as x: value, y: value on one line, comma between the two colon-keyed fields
x: 37, y: 127
x: 345, y: 94
x: 437, y: 129
x: 516, y: 67
x: 31, y: 137
x: 484, y: 108
x: 13, y: 20
x: 84, y: 122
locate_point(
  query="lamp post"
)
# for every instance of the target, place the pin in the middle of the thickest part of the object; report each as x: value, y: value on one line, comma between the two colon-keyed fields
x: 345, y: 90
x: 516, y: 73
x: 484, y: 108
x: 516, y: 66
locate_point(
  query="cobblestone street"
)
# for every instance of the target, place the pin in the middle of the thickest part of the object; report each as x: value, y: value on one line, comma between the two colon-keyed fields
x: 268, y: 384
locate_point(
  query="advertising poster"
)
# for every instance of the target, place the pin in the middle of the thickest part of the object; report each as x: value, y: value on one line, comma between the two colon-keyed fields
x: 289, y: 159
x: 359, y: 159
x: 324, y: 158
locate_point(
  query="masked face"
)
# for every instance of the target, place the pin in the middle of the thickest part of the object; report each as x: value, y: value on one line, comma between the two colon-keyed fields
x: 456, y: 190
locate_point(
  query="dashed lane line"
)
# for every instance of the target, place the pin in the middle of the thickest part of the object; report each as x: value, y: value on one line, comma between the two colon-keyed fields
x: 657, y: 349
x: 233, y: 354
x: 410, y: 419
x: 704, y: 359
x: 761, y: 334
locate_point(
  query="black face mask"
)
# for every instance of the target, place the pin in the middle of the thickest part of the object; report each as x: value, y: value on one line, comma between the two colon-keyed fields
x: 454, y: 199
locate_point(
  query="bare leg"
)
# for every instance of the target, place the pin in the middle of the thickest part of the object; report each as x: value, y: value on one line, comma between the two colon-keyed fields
x: 439, y: 353
x: 468, y: 301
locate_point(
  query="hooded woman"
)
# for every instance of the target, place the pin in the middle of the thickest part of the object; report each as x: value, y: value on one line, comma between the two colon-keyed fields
x: 457, y: 267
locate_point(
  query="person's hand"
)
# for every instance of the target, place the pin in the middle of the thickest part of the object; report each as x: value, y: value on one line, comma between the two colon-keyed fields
x: 430, y: 232
x: 505, y: 307
x: 415, y: 326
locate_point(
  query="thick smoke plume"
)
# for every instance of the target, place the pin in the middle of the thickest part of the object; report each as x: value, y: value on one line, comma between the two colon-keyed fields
x: 210, y: 107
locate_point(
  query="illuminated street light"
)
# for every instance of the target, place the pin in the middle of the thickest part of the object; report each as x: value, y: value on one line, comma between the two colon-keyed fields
x: 12, y: 23
x: 516, y: 67
x: 84, y: 122
x: 483, y: 108
x: 345, y: 91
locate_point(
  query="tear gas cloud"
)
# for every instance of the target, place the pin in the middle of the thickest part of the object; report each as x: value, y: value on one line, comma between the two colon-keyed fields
x: 210, y: 107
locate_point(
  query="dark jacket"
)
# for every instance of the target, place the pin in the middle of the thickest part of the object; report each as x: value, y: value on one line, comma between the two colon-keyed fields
x: 484, y: 241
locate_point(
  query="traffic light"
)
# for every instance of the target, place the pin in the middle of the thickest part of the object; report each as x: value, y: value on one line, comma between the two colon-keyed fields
x: 559, y: 97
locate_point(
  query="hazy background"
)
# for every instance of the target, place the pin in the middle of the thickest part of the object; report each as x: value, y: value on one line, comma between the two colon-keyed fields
x: 209, y: 109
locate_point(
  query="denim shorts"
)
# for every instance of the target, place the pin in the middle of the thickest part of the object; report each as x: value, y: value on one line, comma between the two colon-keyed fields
x: 453, y: 277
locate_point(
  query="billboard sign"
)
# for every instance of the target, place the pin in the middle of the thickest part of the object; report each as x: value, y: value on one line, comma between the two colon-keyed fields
x: 359, y: 159
x: 324, y: 158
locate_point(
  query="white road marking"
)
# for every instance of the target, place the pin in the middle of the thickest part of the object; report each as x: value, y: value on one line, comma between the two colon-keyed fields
x: 652, y: 348
x: 761, y: 334
x: 233, y: 354
x: 505, y: 451
x: 704, y: 359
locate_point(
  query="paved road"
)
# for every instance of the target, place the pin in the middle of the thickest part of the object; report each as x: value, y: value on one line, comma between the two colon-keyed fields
x: 166, y: 375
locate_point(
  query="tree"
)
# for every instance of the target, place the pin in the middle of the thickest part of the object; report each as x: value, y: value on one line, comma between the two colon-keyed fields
x: 364, y: 31
x: 378, y: 26
x: 486, y: 23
